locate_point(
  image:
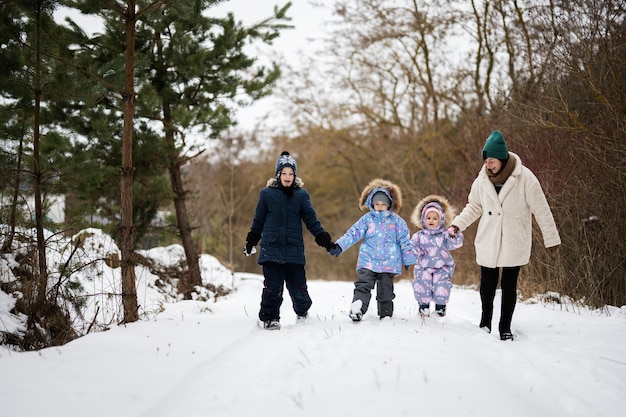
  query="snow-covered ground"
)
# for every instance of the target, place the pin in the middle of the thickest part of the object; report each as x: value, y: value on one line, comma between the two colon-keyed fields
x: 211, y: 358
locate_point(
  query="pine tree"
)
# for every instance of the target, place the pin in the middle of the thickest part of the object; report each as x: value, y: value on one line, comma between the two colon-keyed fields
x: 197, y: 75
x: 192, y: 73
x: 30, y: 39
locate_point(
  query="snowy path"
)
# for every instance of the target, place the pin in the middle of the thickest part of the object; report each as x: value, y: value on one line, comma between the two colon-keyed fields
x: 194, y: 362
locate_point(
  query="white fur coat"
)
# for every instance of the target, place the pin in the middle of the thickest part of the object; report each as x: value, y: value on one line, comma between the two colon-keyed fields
x: 504, y: 235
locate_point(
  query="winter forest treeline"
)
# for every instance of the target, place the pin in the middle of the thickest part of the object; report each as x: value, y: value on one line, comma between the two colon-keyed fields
x: 403, y: 90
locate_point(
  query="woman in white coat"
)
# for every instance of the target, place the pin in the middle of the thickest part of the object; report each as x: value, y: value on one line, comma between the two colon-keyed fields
x: 504, y: 196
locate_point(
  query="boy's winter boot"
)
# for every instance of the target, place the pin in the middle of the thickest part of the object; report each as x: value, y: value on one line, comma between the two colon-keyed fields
x: 385, y: 309
x: 440, y: 310
x: 355, y: 310
x: 506, y: 336
x: 272, y: 324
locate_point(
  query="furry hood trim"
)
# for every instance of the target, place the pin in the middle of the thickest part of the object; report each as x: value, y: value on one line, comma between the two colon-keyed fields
x: 273, y: 182
x: 392, y: 189
x: 448, y: 211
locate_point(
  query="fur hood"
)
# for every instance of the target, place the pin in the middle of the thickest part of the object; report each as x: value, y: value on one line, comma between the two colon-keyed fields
x: 273, y: 182
x: 448, y: 211
x: 389, y: 187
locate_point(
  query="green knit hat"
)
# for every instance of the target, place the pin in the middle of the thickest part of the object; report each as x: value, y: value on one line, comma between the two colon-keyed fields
x: 495, y: 147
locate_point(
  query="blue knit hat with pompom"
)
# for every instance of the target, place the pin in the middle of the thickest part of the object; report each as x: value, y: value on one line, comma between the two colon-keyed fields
x: 285, y: 160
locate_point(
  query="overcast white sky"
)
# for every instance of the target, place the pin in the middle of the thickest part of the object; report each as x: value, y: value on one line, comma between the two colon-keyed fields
x: 308, y: 19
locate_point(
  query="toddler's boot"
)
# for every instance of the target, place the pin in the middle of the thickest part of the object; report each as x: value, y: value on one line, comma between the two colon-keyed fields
x: 355, y: 310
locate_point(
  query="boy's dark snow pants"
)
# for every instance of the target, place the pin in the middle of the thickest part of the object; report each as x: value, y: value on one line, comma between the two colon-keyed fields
x: 364, y: 285
x: 276, y: 277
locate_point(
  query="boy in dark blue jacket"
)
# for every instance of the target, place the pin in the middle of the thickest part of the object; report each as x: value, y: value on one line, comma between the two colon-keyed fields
x: 282, y: 208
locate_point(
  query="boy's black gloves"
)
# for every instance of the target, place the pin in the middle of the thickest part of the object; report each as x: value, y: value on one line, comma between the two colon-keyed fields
x: 323, y: 240
x: 251, y: 240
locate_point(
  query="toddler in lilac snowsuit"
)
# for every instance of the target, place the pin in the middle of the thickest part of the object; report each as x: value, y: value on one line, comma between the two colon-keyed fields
x: 432, y: 274
x: 385, y: 249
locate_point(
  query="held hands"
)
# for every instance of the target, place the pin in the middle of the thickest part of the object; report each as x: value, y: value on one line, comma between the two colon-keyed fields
x: 335, y: 250
x: 323, y: 240
x: 453, y: 230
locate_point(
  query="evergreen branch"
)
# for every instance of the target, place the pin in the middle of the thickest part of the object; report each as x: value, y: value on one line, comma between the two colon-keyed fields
x: 85, y: 72
x: 70, y: 63
x: 113, y: 6
x: 150, y: 7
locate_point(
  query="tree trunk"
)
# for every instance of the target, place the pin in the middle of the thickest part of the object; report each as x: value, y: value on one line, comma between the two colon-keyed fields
x: 193, y: 277
x: 8, y: 240
x: 41, y: 243
x: 129, y: 289
x: 42, y: 280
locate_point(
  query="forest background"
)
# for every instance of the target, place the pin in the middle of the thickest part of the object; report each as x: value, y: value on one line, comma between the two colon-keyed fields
x: 141, y: 119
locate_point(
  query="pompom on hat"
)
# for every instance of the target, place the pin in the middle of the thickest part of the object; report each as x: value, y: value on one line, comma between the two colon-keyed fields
x: 285, y: 160
x: 495, y: 147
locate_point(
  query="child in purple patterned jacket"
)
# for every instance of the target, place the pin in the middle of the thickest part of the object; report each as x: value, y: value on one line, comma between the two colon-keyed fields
x: 432, y: 274
x: 385, y: 249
